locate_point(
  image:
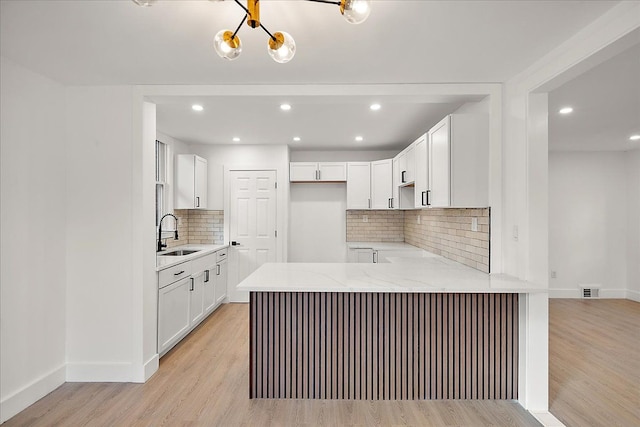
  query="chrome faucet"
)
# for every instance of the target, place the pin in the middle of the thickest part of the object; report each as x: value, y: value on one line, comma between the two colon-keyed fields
x: 164, y: 245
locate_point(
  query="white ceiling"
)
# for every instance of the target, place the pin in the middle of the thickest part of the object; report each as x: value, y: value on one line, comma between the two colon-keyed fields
x: 403, y: 41
x: 328, y: 122
x: 606, y: 107
x: 101, y: 42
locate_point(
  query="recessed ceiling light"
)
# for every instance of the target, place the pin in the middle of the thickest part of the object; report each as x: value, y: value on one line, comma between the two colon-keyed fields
x: 236, y: 139
x: 196, y: 107
x: 566, y: 110
x: 635, y: 137
x: 359, y: 139
x: 285, y: 107
x: 375, y: 107
x: 296, y: 138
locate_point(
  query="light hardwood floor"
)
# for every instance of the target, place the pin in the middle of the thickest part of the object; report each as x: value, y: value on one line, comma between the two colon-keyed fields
x: 594, y: 362
x: 204, y: 381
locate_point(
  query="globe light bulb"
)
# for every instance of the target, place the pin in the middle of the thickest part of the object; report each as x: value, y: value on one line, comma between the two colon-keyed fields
x: 283, y: 48
x: 355, y: 11
x: 227, y: 45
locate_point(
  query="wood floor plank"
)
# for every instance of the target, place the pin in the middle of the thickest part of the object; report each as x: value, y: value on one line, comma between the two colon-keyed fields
x: 594, y: 362
x: 204, y: 381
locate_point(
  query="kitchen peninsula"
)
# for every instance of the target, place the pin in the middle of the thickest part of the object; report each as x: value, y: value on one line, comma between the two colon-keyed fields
x: 415, y: 328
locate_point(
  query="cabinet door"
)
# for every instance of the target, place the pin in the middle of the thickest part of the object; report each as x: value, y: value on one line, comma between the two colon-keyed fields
x: 400, y: 169
x: 362, y: 256
x: 332, y: 171
x: 421, y: 197
x: 381, y: 184
x: 440, y: 163
x: 221, y: 282
x: 303, y: 171
x: 200, y: 182
x: 173, y: 313
x: 410, y: 165
x: 358, y: 185
x: 196, y: 299
x: 209, y: 297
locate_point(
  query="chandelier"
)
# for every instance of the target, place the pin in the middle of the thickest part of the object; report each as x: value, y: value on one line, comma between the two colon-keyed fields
x: 281, y: 46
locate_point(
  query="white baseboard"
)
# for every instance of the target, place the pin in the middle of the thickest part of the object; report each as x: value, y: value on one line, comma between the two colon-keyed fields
x: 31, y: 393
x: 547, y: 419
x: 604, y: 293
x: 633, y: 295
x: 151, y: 367
x: 99, y: 372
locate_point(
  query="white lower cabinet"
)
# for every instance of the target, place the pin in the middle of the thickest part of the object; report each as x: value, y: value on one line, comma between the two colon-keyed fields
x: 184, y: 302
x: 209, y: 297
x: 173, y: 313
x: 221, y: 282
x: 196, y: 299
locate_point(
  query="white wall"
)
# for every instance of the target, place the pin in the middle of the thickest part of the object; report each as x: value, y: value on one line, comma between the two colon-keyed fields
x: 100, y: 203
x: 318, y: 223
x: 588, y: 222
x: 32, y: 235
x: 481, y: 107
x: 632, y: 164
x: 344, y: 156
x: 251, y: 156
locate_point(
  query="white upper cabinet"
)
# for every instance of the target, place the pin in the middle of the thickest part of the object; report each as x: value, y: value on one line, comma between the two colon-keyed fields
x: 382, y: 184
x: 358, y: 185
x: 191, y: 182
x: 421, y: 195
x: 317, y: 172
x: 458, y: 162
x: 406, y: 162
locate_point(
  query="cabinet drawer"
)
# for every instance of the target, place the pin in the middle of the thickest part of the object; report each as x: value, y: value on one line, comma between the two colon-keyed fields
x: 175, y: 273
x: 221, y: 255
x: 202, y: 263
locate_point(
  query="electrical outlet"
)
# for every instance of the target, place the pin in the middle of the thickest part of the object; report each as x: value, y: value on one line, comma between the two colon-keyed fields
x: 554, y: 274
x: 418, y: 220
x: 474, y: 224
x: 365, y: 218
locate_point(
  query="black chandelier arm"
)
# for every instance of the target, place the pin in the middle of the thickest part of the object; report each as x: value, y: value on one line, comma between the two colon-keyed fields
x: 326, y: 1
x: 242, y: 6
x: 267, y: 31
x: 238, y: 29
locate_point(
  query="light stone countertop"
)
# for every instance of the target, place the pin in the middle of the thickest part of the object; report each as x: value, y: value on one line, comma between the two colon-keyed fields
x: 383, y: 246
x: 163, y: 262
x: 428, y: 274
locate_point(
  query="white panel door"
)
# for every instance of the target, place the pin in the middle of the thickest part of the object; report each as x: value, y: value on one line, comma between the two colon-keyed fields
x: 252, y: 224
x: 358, y: 185
x: 173, y: 313
x: 440, y: 163
x: 209, y: 289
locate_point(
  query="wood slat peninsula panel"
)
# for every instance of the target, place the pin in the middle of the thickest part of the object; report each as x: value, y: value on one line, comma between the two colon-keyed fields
x: 383, y: 346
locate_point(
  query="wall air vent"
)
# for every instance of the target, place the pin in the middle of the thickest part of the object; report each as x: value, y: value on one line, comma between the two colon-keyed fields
x: 589, y: 292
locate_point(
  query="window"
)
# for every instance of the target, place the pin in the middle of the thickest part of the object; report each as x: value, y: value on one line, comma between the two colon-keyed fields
x: 161, y: 180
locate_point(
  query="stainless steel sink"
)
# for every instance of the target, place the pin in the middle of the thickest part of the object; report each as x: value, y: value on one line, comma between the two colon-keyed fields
x: 180, y: 252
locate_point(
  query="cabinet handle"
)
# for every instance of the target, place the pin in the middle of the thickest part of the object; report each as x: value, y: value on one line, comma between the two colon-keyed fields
x: 375, y: 257
x: 218, y: 270
x: 424, y: 197
x: 369, y: 203
x: 197, y: 202
x: 206, y: 276
x: 178, y: 273
x: 403, y: 177
x: 191, y: 284
x: 428, y: 201
x: 319, y: 175
x: 389, y: 203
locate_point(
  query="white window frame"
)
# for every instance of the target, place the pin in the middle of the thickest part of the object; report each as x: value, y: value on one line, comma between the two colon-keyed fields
x: 162, y: 184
